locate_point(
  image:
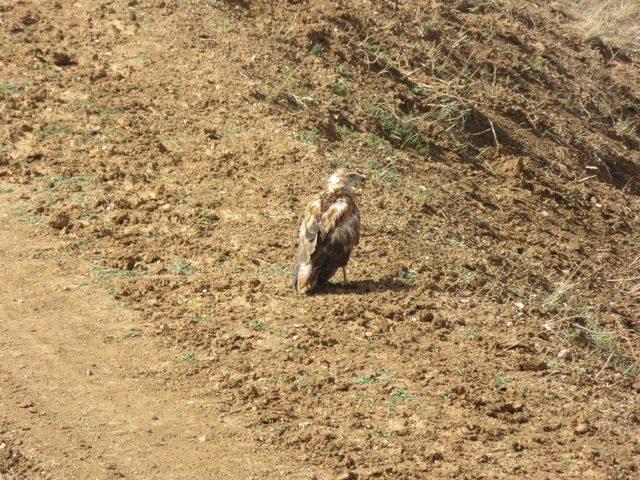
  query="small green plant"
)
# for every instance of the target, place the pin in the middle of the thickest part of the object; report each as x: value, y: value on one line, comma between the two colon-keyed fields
x: 180, y: 267
x: 339, y: 163
x: 54, y: 128
x: 9, y: 87
x: 317, y: 51
x: 401, y: 130
x: 258, y: 325
x: 310, y: 137
x: 379, y: 432
x: 190, y: 357
x: 6, y: 190
x: 33, y: 219
x: 407, y: 274
x: 501, y: 383
x: 398, y: 396
x: 343, y: 129
x: 340, y: 88
x: 113, y: 272
x: 381, y: 145
x: 287, y: 70
x: 207, y: 218
x: 344, y: 71
x: 364, y: 379
x: 536, y: 64
x: 386, y: 374
x: 566, y: 461
x: 132, y: 333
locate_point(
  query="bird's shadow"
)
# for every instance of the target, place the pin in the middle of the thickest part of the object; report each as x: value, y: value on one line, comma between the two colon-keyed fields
x: 361, y: 287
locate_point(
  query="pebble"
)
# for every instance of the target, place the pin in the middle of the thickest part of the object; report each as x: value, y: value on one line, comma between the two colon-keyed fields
x: 59, y: 221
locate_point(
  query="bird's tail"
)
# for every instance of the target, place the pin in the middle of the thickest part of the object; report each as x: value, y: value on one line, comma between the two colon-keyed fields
x: 304, y: 279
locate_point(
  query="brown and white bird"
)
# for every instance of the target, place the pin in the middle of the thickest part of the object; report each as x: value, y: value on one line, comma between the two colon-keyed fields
x: 328, y: 233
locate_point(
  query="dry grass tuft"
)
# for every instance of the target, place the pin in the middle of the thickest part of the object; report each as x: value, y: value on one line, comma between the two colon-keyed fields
x: 614, y: 21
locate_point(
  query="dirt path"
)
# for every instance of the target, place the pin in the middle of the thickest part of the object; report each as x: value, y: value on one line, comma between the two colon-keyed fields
x: 77, y: 400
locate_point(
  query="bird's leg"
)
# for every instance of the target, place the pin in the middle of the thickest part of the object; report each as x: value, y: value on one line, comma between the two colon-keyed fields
x: 344, y: 275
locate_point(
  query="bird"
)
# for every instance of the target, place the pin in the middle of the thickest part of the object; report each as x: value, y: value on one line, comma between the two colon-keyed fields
x: 328, y: 232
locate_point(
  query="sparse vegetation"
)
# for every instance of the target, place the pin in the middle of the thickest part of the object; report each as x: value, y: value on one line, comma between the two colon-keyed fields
x: 180, y: 267
x: 492, y: 300
x: 132, y: 333
x: 615, y: 21
x: 258, y: 325
x: 190, y: 357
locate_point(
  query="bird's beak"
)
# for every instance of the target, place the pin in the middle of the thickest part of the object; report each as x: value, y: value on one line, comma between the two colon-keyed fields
x: 361, y: 178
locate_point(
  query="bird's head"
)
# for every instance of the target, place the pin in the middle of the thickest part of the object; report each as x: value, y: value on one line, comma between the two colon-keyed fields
x: 342, y: 178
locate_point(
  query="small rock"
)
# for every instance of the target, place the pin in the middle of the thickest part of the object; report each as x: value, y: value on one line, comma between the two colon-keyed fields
x: 59, y: 221
x: 202, y: 438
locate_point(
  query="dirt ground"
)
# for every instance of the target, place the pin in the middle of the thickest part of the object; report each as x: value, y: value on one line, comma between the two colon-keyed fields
x: 155, y: 158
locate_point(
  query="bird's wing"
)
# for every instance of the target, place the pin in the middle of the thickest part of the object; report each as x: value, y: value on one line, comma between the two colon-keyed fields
x: 340, y: 226
x: 310, y: 227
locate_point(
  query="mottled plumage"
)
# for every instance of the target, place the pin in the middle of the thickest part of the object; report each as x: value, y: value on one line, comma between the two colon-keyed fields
x: 328, y: 233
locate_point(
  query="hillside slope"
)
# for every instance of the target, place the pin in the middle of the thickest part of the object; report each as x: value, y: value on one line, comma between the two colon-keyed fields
x: 491, y: 328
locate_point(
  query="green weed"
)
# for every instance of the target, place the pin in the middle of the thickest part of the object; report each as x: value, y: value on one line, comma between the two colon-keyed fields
x: 501, y: 383
x: 310, y: 137
x: 9, y: 87
x: 132, y: 333
x: 180, y: 267
x: 536, y: 64
x: 113, y: 272
x: 364, y: 379
x: 54, y: 128
x: 190, y: 356
x: 258, y: 325
x: 317, y: 51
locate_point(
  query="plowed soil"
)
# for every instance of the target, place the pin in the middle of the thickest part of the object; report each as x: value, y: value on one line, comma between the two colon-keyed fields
x: 163, y: 151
